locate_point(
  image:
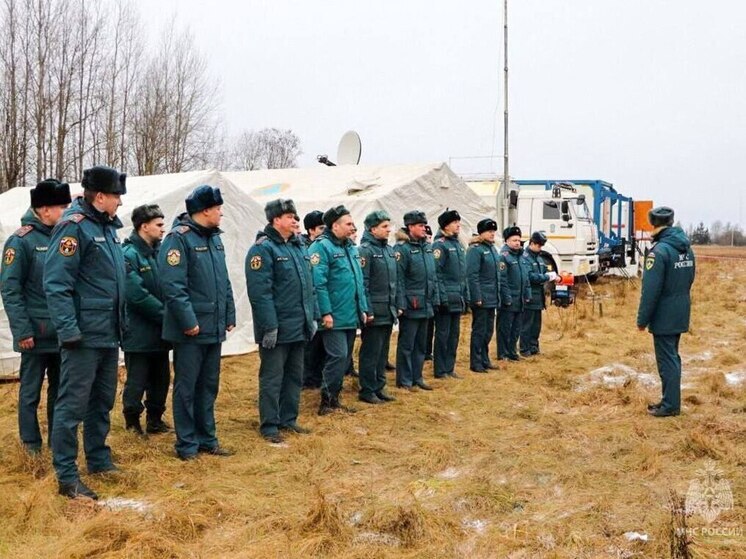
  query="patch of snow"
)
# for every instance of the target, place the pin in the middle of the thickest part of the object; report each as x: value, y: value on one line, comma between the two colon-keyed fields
x: 378, y: 538
x: 119, y: 504
x: 449, y: 473
x: 617, y: 374
x: 735, y: 378
x: 476, y: 524
x: 704, y: 356
x: 356, y: 518
x: 454, y: 416
x: 636, y: 536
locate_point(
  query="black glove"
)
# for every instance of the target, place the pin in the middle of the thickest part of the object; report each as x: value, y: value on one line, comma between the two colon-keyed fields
x: 74, y: 343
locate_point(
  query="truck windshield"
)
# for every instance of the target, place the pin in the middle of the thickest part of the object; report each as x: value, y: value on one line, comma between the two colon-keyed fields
x: 582, y: 213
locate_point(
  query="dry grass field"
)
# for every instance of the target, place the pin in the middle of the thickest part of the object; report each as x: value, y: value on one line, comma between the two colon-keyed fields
x: 552, y: 457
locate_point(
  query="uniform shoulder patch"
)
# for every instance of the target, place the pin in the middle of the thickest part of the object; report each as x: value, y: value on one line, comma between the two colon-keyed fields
x: 68, y: 246
x: 25, y: 230
x: 502, y: 265
x: 315, y: 259
x: 256, y: 262
x: 363, y: 261
x: 173, y: 257
x: 9, y: 256
x: 650, y: 261
x: 437, y: 253
x: 397, y: 255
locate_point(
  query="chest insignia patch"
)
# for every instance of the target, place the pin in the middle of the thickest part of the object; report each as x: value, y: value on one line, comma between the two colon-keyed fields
x: 68, y: 246
x: 173, y: 257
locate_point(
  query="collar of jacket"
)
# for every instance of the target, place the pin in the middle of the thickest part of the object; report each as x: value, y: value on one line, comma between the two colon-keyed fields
x: 274, y: 235
x: 655, y: 233
x: 141, y: 245
x: 334, y: 239
x: 369, y: 238
x: 30, y: 218
x: 403, y: 235
x: 185, y: 219
x: 514, y: 252
x: 81, y: 206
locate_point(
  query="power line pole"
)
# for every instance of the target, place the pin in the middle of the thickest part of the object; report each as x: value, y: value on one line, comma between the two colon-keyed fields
x: 506, y: 167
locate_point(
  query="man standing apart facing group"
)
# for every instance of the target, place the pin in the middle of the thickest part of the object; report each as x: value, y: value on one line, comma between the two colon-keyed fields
x: 339, y: 289
x: 199, y: 311
x: 281, y: 292
x: 379, y: 277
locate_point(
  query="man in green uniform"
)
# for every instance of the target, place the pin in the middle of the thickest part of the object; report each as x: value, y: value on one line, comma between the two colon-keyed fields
x: 338, y: 279
x: 665, y: 304
x: 313, y: 359
x: 199, y: 311
x: 379, y: 277
x: 486, y: 290
x: 517, y: 295
x: 283, y: 301
x: 450, y: 264
x: 538, y: 276
x: 417, y: 295
x: 145, y: 352
x: 25, y: 304
x: 84, y: 280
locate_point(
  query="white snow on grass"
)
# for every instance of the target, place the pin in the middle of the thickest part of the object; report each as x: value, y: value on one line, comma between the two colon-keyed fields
x: 736, y: 378
x: 119, y: 504
x: 616, y: 375
x: 449, y: 473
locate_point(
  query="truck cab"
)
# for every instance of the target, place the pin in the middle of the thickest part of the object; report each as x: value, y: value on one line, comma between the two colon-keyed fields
x: 563, y: 215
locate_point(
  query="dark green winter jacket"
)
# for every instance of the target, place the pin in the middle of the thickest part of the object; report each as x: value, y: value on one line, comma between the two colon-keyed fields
x: 379, y: 278
x: 144, y: 297
x: 665, y: 304
x: 537, y: 277
x: 23, y: 288
x: 516, y: 276
x: 450, y: 264
x: 417, y: 282
x: 280, y: 287
x: 338, y: 279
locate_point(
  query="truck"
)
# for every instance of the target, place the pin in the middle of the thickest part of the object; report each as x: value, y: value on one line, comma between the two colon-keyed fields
x: 561, y: 212
x: 612, y: 213
x: 590, y: 226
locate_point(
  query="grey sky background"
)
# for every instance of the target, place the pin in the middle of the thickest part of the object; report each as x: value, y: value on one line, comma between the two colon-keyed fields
x: 650, y: 95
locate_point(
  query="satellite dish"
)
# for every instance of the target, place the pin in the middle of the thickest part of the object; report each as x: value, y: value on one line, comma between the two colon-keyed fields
x: 350, y: 148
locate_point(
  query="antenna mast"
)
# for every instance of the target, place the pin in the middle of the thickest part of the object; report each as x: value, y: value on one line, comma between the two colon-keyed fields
x: 506, y: 169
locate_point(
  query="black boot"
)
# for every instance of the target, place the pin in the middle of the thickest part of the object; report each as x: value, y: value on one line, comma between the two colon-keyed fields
x: 325, y: 407
x: 337, y: 405
x: 156, y: 426
x: 132, y: 423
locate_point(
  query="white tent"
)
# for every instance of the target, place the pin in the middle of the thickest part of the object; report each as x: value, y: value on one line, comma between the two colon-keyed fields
x: 365, y: 188
x: 396, y: 189
x: 241, y: 220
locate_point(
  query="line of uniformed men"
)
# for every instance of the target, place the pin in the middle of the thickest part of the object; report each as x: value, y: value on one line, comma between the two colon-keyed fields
x: 73, y: 296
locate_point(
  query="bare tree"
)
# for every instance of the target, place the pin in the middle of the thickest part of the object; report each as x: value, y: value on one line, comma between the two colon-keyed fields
x: 269, y: 148
x: 176, y: 115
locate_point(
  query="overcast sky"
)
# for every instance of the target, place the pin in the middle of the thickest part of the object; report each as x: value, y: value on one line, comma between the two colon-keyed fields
x: 647, y: 94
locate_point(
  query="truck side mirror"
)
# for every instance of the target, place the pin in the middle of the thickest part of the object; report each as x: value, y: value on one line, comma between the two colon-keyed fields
x: 581, y: 200
x: 565, y: 209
